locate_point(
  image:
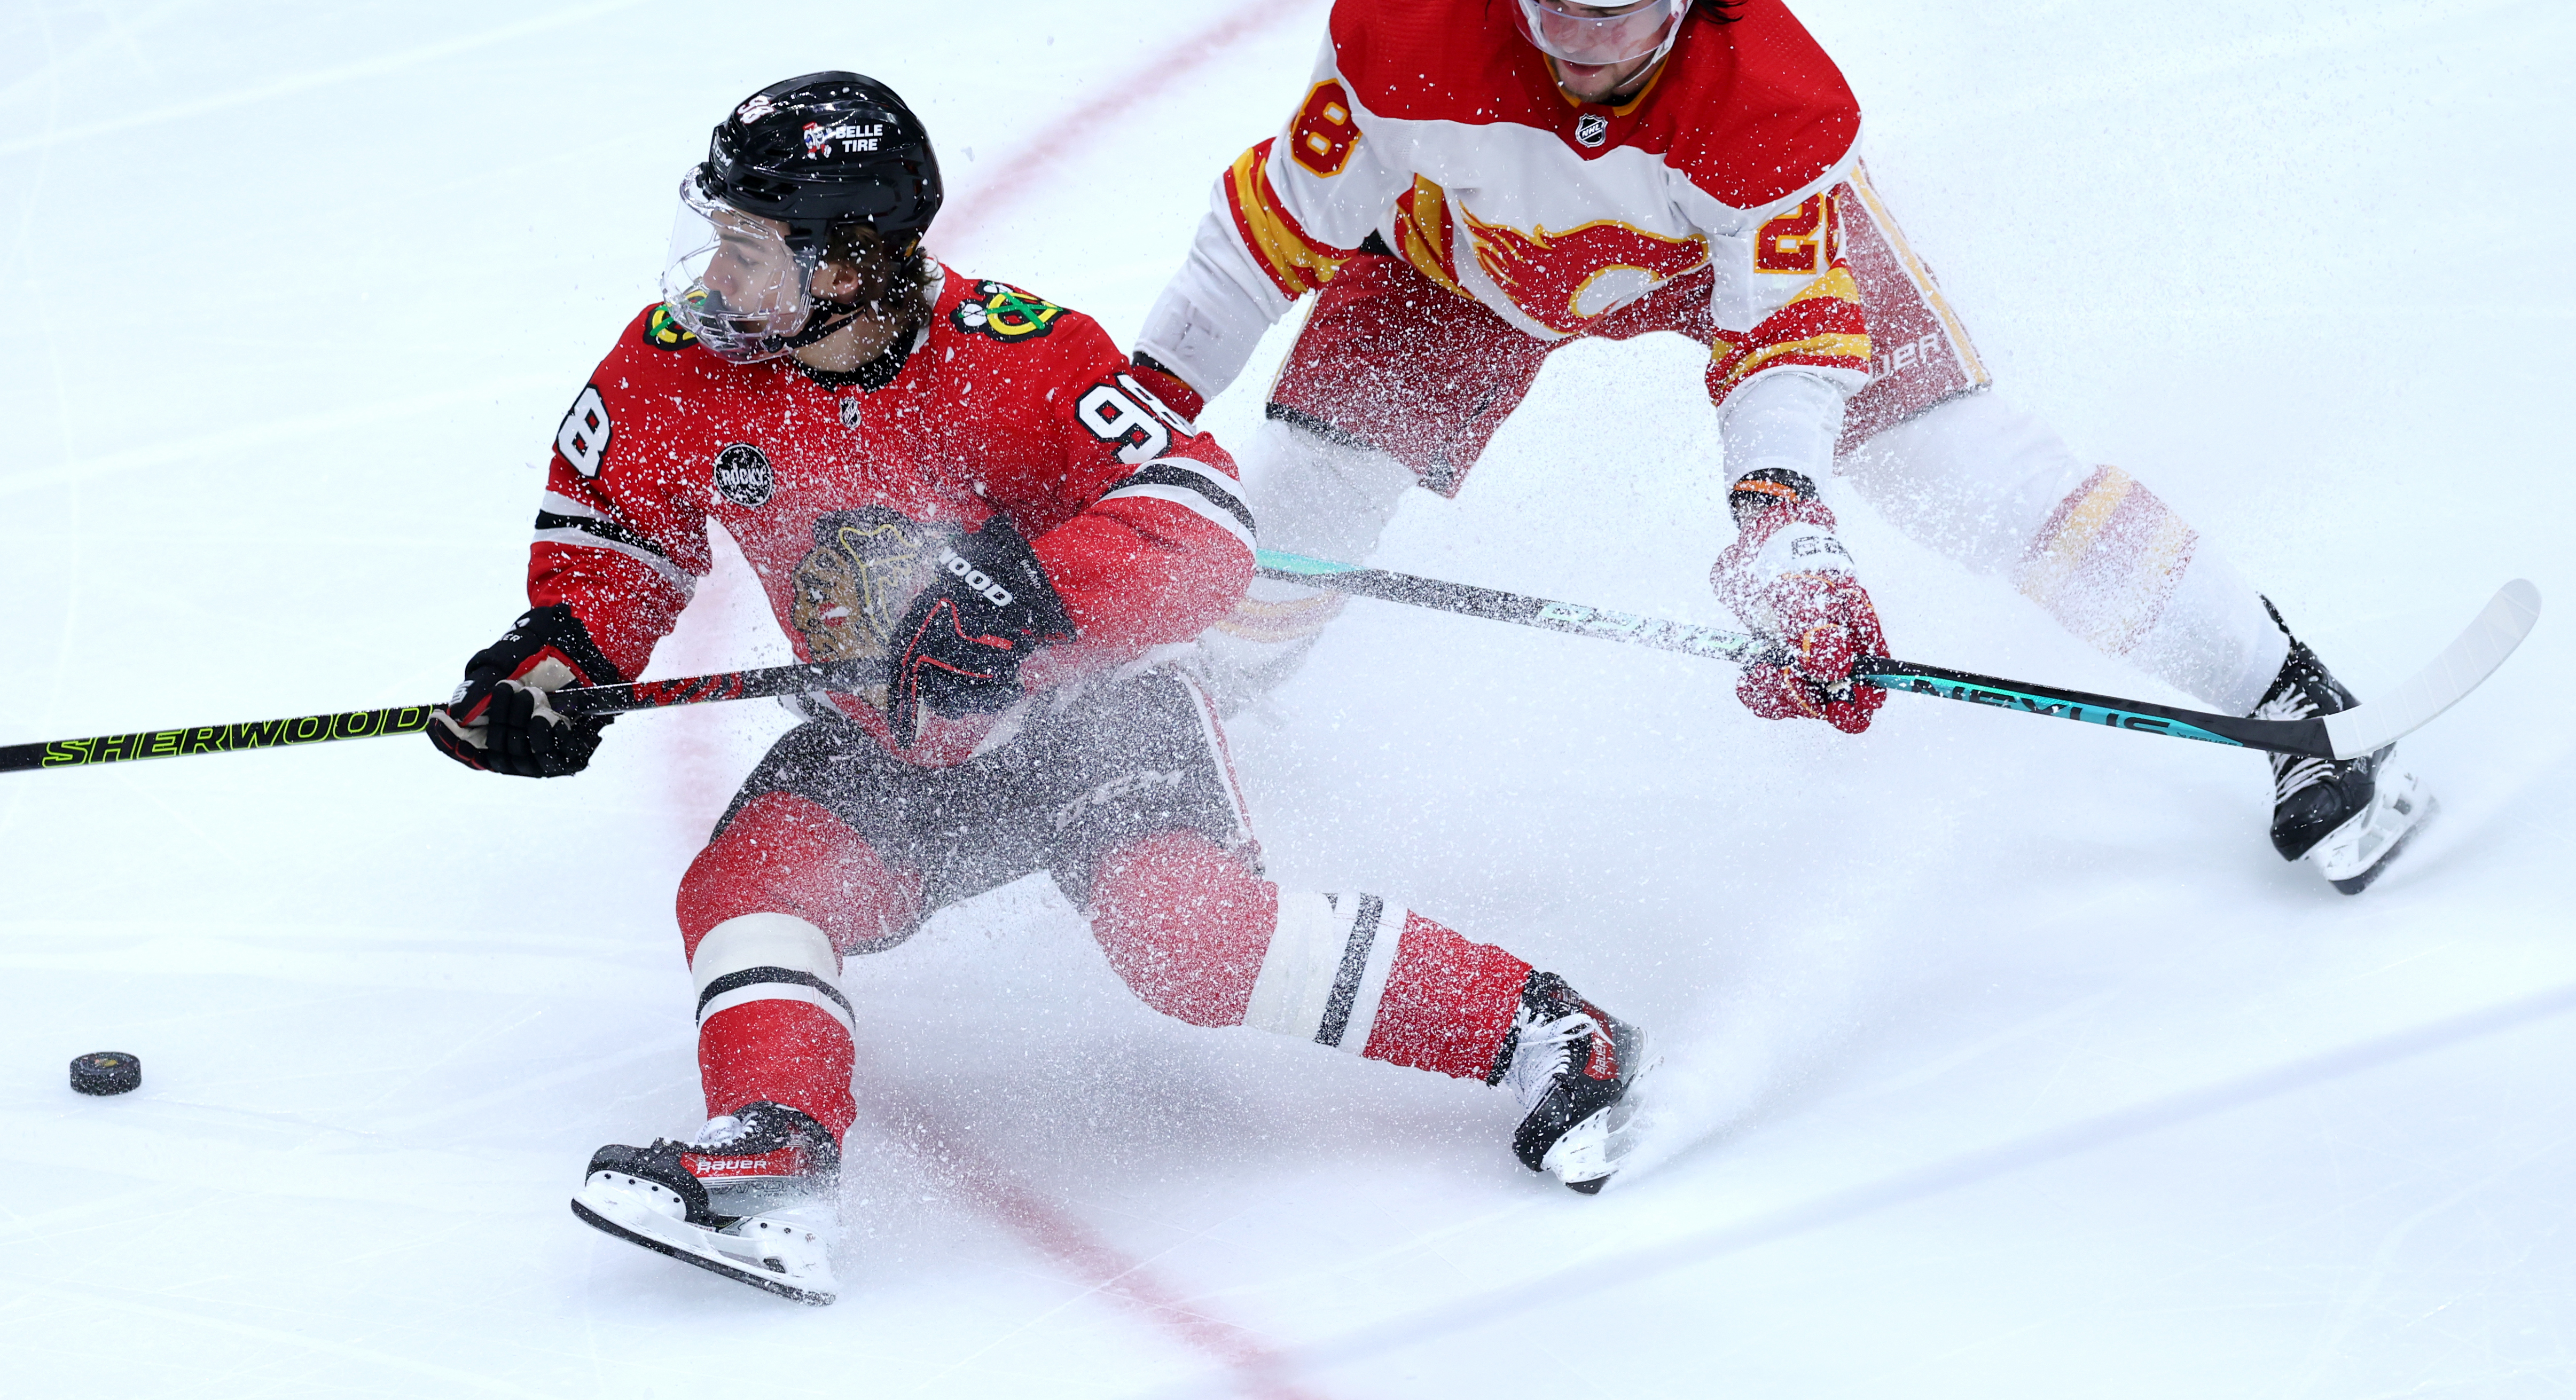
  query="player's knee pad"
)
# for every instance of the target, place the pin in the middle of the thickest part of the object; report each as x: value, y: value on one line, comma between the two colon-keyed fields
x: 1184, y: 925
x: 784, y: 854
x: 1973, y: 479
x: 1320, y: 497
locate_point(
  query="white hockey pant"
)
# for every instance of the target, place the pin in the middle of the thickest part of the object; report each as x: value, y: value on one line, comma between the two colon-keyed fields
x: 1983, y: 482
x: 1314, y: 497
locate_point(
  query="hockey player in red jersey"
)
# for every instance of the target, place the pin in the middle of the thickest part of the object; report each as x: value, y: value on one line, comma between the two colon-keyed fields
x: 1470, y: 185
x: 968, y: 485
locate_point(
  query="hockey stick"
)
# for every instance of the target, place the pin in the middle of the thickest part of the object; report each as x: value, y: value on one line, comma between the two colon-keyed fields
x: 410, y: 719
x: 2469, y: 660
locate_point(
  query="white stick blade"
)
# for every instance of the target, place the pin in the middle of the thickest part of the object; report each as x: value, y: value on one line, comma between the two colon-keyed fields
x: 2460, y: 668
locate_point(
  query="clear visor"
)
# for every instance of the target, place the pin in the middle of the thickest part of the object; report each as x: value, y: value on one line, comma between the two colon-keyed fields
x: 732, y: 280
x: 1598, y: 35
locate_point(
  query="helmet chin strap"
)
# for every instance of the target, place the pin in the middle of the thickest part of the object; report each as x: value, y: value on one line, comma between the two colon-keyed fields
x: 824, y: 327
x: 829, y: 323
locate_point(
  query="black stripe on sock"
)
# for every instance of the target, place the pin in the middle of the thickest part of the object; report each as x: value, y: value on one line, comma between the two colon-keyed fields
x: 605, y: 529
x: 750, y: 976
x: 1346, y: 983
x: 1218, y: 496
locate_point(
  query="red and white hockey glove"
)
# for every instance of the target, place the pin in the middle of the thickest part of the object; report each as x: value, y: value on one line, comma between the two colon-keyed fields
x: 1788, y: 578
x: 499, y: 720
x: 961, y: 644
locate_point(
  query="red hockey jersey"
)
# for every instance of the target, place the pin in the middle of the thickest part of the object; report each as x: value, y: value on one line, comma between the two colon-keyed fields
x: 840, y: 493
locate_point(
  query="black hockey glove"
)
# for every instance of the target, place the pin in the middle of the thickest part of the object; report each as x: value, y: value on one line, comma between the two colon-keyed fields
x: 961, y: 644
x: 499, y: 720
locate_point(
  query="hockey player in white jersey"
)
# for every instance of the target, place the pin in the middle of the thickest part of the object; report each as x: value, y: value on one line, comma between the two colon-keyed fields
x: 1470, y: 185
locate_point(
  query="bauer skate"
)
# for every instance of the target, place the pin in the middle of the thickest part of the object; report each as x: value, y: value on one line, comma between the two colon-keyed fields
x: 750, y: 1198
x: 1571, y: 1065
x: 2350, y: 817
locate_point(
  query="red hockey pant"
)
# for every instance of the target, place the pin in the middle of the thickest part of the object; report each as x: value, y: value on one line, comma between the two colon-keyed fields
x: 769, y: 907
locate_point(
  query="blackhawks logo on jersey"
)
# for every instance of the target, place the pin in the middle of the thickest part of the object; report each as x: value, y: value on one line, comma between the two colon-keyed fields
x: 1005, y: 313
x: 663, y: 331
x: 865, y: 567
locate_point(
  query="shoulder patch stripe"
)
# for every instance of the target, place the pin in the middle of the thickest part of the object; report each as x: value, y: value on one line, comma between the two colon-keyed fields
x: 1190, y: 501
x: 654, y: 559
x: 561, y: 504
x: 1167, y: 471
x: 603, y: 527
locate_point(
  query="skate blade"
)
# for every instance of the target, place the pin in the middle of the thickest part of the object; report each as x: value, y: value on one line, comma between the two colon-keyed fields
x: 797, y: 1271
x: 2360, y: 851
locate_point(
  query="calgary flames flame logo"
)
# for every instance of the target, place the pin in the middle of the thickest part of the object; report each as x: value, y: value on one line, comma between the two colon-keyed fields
x: 1567, y: 278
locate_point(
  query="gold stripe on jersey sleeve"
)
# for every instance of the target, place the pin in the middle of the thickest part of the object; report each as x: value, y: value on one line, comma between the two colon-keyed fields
x: 1422, y: 233
x: 1296, y: 263
x: 1821, y: 326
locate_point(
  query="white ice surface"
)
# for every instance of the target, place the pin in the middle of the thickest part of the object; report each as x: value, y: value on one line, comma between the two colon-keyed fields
x: 2005, y: 1058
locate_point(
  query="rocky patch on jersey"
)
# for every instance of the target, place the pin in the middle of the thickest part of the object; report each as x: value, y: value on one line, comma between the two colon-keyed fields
x: 743, y: 476
x: 663, y: 331
x: 852, y: 588
x: 1005, y: 312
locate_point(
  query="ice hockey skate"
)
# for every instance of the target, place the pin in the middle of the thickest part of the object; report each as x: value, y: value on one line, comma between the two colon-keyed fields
x: 750, y: 1197
x: 2351, y: 817
x: 1572, y: 1066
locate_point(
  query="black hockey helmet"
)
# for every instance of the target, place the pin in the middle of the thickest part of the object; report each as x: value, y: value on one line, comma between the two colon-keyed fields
x: 795, y: 166
x: 823, y: 150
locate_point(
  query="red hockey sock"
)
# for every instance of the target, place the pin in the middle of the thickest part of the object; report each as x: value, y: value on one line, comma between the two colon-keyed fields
x: 1447, y: 1003
x: 1199, y: 937
x: 765, y: 912
x: 787, y: 1052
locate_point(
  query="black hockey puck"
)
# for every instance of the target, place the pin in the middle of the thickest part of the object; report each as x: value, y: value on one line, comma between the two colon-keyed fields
x: 107, y: 1072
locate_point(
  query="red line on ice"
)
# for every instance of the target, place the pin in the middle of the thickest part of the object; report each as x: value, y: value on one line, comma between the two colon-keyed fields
x: 1108, y: 1270
x: 1012, y: 176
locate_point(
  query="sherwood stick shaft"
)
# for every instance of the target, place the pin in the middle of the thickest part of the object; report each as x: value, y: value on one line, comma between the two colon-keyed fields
x: 411, y: 719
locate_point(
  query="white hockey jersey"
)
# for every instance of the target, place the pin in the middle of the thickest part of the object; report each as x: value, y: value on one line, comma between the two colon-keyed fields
x: 1433, y: 131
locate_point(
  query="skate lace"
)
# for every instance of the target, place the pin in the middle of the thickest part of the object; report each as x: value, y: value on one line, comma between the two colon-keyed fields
x: 2293, y: 773
x: 1545, y: 1050
x: 723, y: 1130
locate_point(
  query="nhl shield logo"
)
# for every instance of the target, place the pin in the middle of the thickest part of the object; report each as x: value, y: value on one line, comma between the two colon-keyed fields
x: 1591, y: 129
x: 851, y: 413
x: 743, y: 476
